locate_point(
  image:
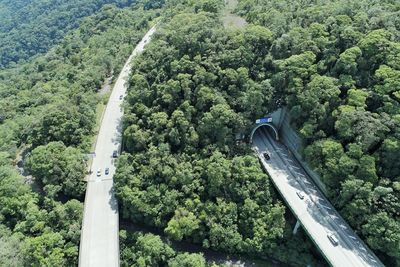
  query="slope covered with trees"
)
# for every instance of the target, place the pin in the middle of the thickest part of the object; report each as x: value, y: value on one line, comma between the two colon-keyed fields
x: 30, y: 27
x: 191, y: 91
x: 49, y: 106
x: 336, y: 66
x: 143, y: 250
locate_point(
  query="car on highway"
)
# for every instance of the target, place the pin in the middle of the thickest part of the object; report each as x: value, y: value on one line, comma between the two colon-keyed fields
x: 99, y: 172
x: 300, y: 194
x: 266, y: 156
x: 115, y: 154
x: 107, y: 171
x: 120, y: 97
x: 333, y: 239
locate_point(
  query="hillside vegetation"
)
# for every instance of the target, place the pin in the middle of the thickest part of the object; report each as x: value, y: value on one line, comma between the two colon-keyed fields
x: 31, y: 27
x: 48, y: 105
x: 190, y: 92
x: 336, y: 65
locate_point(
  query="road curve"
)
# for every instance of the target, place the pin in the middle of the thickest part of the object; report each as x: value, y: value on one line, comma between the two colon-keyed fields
x: 315, y: 213
x: 99, y: 244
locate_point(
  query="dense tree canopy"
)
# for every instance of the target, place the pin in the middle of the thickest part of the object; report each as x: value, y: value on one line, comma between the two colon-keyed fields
x: 145, y: 250
x: 48, y: 112
x: 335, y: 65
x: 58, y: 166
x: 31, y: 27
x: 183, y: 172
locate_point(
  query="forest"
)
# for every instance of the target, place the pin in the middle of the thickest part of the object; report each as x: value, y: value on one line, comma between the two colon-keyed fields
x: 48, y: 109
x: 333, y: 64
x: 142, y: 250
x: 191, y: 91
x: 31, y: 27
x: 336, y: 66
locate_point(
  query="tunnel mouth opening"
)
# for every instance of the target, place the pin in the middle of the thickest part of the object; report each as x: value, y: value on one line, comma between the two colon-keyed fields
x: 267, y: 128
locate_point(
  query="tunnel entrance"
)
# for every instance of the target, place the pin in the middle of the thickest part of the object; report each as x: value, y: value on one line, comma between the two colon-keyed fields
x: 270, y: 128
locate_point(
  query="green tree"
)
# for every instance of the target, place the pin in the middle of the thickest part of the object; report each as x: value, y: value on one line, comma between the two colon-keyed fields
x: 56, y: 164
x: 188, y: 260
x: 182, y: 224
x: 45, y: 250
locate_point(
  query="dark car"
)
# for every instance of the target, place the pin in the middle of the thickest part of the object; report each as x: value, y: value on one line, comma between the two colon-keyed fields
x: 120, y: 97
x: 266, y: 156
x: 107, y: 171
x: 115, y: 154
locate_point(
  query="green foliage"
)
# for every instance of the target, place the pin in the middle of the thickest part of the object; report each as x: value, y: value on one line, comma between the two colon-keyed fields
x: 140, y: 249
x: 182, y: 224
x: 45, y: 250
x: 193, y: 89
x: 28, y: 28
x: 34, y: 234
x: 188, y: 260
x: 58, y: 165
x: 15, y: 196
x: 48, y: 106
x: 10, y: 248
x: 335, y: 66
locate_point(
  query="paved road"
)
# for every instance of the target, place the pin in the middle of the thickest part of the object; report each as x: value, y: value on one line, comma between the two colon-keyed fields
x: 99, y: 237
x: 317, y: 216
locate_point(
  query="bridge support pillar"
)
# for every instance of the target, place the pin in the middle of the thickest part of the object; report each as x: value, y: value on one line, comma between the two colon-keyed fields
x: 296, y: 227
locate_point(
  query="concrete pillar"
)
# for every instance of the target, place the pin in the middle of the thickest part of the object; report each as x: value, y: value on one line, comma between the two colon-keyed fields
x: 296, y: 227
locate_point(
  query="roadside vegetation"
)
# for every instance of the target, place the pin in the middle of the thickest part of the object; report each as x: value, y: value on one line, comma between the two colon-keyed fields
x: 336, y: 66
x: 48, y: 105
x: 139, y: 249
x: 198, y: 85
x: 182, y: 171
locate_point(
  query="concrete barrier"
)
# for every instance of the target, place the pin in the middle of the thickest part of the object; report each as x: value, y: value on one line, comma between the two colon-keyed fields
x: 281, y: 120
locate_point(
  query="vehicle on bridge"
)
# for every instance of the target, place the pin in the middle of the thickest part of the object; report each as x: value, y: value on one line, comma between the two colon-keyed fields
x: 333, y: 239
x: 266, y: 156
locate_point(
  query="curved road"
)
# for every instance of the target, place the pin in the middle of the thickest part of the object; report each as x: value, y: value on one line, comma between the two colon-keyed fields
x: 315, y: 213
x: 99, y: 244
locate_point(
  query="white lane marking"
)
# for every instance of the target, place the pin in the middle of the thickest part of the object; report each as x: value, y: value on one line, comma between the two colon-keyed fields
x: 326, y: 207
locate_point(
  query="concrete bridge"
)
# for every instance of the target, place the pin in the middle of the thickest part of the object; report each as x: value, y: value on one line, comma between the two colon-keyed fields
x: 335, y: 239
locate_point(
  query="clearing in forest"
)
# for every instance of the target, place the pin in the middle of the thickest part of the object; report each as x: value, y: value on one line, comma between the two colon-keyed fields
x: 229, y: 18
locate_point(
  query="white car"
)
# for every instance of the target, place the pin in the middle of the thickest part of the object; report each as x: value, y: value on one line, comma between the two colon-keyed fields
x: 99, y: 172
x: 333, y: 239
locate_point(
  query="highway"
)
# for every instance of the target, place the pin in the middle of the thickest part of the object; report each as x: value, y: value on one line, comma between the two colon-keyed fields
x: 99, y: 244
x: 315, y: 213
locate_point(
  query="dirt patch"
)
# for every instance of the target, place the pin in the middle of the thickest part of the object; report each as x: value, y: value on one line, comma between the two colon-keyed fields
x: 230, y: 19
x: 107, y: 86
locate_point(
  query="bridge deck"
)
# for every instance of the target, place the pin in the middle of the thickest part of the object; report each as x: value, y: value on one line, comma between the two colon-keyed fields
x: 315, y: 213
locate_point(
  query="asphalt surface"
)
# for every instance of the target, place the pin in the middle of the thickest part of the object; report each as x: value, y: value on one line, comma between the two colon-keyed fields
x: 99, y: 236
x: 315, y: 213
